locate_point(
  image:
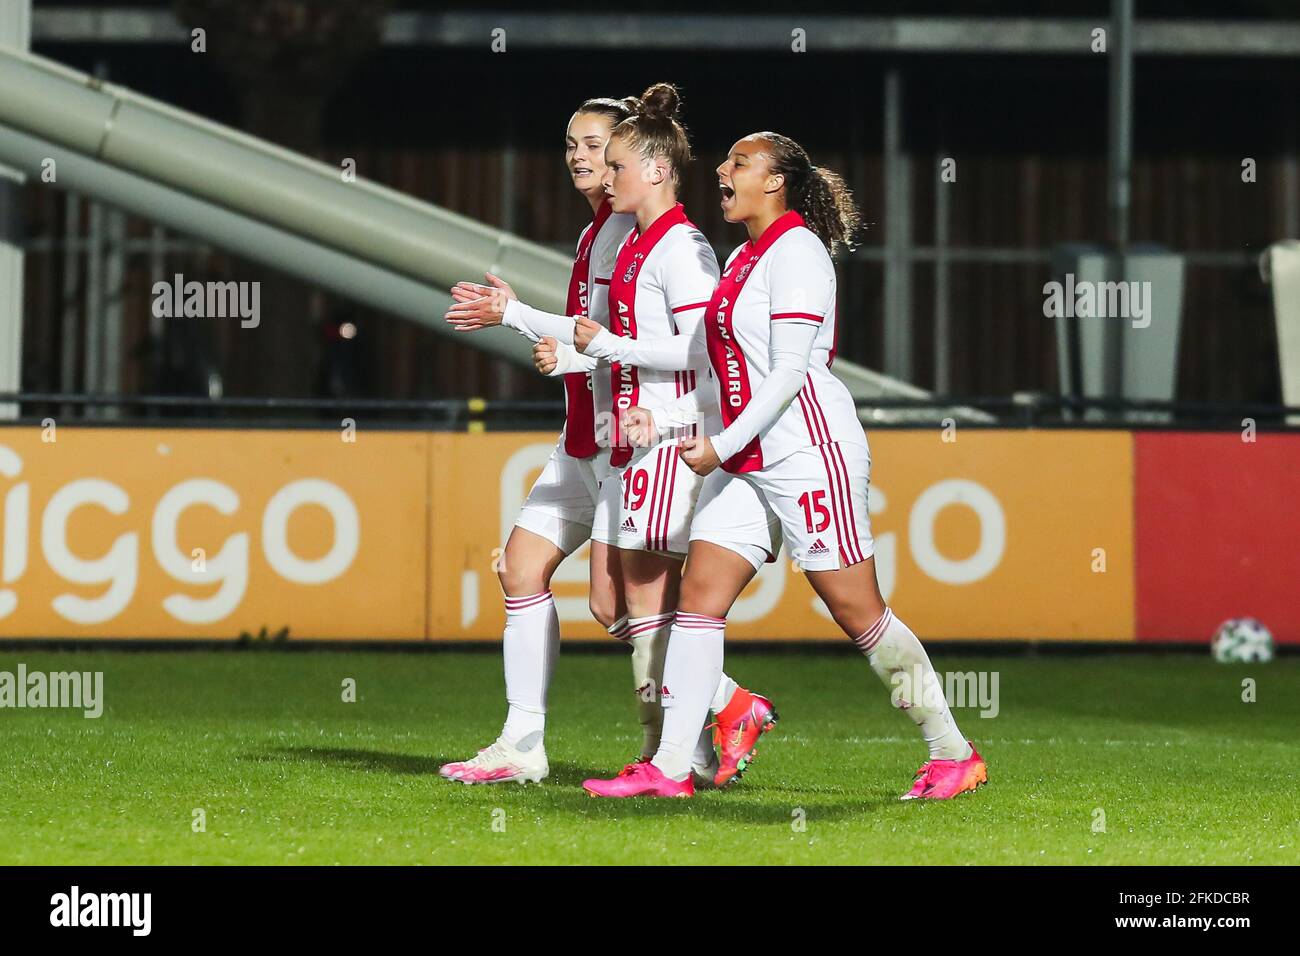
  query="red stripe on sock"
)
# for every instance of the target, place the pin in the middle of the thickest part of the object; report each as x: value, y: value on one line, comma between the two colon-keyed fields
x: 867, y: 640
x: 526, y: 602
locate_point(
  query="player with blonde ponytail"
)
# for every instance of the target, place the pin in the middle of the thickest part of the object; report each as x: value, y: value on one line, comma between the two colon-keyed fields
x: 591, y: 488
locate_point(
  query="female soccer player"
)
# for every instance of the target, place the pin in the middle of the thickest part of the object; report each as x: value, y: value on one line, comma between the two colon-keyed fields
x: 557, y: 517
x: 562, y: 509
x: 791, y: 434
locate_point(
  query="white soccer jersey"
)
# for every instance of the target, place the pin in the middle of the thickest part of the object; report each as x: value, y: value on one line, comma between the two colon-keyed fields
x: 787, y: 276
x: 662, y: 281
x: 589, y: 297
x: 603, y: 253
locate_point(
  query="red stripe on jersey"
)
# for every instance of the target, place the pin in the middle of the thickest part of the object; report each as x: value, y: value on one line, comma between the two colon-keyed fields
x: 600, y: 281
x: 579, y: 411
x: 848, y: 542
x: 814, y: 432
x: 666, y: 471
x: 671, y: 463
x: 835, y: 337
x: 665, y: 498
x: 849, y: 533
x: 691, y: 382
x: 797, y: 315
x: 622, y: 319
x: 653, y: 503
x: 819, y: 416
x: 725, y: 353
x: 848, y: 495
x: 832, y: 483
x: 687, y: 308
x: 656, y: 501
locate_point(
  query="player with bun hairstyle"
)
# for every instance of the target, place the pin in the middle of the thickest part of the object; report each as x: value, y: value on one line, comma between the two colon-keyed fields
x: 662, y: 279
x: 780, y: 432
x: 564, y: 507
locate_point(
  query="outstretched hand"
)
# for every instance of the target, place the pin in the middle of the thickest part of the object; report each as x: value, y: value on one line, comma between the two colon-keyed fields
x: 477, y: 306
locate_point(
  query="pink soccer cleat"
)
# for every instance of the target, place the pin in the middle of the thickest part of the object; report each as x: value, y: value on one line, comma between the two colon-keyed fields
x: 639, y: 780
x: 944, y: 779
x: 746, y: 717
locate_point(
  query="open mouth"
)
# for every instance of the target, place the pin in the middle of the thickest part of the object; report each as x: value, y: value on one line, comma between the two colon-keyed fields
x: 581, y: 171
x: 727, y: 192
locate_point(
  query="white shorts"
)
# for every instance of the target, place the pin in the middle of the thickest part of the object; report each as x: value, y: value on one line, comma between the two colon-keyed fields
x: 732, y: 514
x: 561, y: 506
x: 820, y: 495
x: 647, y: 503
x: 604, y: 528
x: 817, y: 496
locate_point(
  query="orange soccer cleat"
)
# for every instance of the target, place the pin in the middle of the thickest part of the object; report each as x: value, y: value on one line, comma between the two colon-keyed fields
x: 738, y: 726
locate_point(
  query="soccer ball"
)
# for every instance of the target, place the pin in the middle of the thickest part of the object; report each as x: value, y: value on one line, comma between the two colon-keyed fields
x: 1243, y: 640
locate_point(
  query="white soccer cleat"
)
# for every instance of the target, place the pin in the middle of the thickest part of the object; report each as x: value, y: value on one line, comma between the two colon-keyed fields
x: 503, y: 762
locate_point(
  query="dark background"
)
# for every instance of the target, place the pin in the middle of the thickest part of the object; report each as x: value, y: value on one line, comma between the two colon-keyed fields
x: 1029, y: 134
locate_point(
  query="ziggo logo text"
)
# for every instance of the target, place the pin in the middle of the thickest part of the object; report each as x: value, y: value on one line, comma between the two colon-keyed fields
x: 119, y: 566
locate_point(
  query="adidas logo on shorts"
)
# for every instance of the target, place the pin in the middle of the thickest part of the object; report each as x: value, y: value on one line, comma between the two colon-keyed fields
x: 818, y: 548
x: 629, y: 526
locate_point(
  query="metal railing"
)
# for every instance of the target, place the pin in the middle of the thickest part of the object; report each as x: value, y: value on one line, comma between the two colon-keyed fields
x: 1022, y: 410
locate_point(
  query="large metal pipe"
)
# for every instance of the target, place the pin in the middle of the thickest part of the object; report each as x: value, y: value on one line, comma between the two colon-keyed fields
x: 15, y: 33
x: 372, y: 244
x: 327, y: 268
x: 267, y: 183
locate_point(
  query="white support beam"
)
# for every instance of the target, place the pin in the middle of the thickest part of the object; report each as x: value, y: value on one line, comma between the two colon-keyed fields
x: 15, y: 33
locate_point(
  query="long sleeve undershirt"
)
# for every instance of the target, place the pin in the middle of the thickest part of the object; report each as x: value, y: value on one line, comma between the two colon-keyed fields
x: 688, y: 410
x: 670, y: 353
x: 569, y: 359
x: 533, y: 323
x: 790, y: 346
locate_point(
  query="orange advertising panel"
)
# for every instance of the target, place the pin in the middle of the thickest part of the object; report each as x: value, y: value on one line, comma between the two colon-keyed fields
x: 991, y: 535
x: 174, y: 533
x: 167, y: 533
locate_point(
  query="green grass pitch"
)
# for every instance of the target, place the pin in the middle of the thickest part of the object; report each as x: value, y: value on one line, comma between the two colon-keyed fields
x: 284, y: 771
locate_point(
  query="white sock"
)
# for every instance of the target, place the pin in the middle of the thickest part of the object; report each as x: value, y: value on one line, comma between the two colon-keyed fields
x: 726, y: 687
x: 900, y: 661
x: 691, y: 675
x: 618, y: 630
x: 649, y: 639
x: 704, y: 751
x: 530, y: 646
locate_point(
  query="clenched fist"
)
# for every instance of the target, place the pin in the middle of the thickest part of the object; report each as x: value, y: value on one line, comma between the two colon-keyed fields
x: 584, y: 330
x: 639, y: 427
x: 698, y: 454
x: 544, y: 355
